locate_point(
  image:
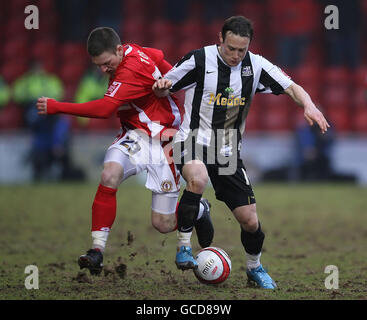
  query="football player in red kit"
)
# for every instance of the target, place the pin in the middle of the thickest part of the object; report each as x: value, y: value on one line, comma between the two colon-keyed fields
x: 148, y: 124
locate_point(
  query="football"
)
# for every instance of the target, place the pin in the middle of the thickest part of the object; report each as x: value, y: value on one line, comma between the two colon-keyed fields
x: 214, y: 265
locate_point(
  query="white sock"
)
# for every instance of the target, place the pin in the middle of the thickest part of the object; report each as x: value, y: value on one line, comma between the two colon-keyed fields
x: 183, y: 239
x: 201, y: 211
x: 99, y: 239
x: 253, y: 260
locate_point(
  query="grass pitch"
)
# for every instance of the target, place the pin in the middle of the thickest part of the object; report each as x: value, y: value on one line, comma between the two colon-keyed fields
x: 307, y: 227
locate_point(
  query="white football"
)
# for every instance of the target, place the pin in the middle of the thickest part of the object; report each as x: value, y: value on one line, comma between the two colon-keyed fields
x: 214, y: 265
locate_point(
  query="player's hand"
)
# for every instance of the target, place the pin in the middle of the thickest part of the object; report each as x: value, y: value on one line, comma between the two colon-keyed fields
x: 313, y: 114
x: 42, y: 105
x: 161, y: 87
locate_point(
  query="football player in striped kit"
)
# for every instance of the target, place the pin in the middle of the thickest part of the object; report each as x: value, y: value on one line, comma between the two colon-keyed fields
x: 220, y: 83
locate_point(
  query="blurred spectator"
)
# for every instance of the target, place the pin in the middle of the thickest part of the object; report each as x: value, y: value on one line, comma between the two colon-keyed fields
x: 10, y: 113
x: 344, y: 44
x: 50, y: 148
x: 312, y: 159
x: 36, y: 82
x: 293, y: 22
x: 4, y: 93
x: 92, y: 86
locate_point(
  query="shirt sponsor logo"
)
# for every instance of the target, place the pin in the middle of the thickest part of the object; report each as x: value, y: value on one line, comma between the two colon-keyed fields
x: 223, y: 101
x: 112, y: 89
x: 229, y: 90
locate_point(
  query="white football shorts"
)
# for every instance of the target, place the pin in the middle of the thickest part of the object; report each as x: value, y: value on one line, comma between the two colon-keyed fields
x: 136, y: 152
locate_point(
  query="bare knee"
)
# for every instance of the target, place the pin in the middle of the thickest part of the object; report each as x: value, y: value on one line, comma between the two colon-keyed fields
x: 164, y: 223
x: 112, y: 175
x: 247, y: 217
x: 196, y: 176
x: 197, y: 184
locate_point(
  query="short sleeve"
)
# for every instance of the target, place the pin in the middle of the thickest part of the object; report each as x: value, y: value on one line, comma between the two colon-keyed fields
x: 272, y: 78
x: 183, y: 74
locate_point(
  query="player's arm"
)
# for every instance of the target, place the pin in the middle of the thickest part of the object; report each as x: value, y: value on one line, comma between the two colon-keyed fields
x: 158, y: 57
x: 311, y: 112
x: 274, y: 80
x: 101, y: 108
x: 181, y: 76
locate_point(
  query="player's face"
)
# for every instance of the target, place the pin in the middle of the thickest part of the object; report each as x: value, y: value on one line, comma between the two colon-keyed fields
x: 234, y: 48
x: 109, y: 61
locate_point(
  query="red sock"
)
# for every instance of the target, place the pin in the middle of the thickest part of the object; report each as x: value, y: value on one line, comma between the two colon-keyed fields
x: 104, y: 209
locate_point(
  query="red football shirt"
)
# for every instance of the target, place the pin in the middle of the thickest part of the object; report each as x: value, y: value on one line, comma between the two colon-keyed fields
x: 130, y: 94
x: 131, y: 88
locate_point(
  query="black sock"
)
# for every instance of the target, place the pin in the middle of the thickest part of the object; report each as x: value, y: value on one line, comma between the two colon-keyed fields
x: 187, y: 211
x: 252, y: 241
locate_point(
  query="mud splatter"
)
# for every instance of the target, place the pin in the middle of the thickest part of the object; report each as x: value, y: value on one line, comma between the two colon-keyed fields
x: 121, y: 270
x: 130, y: 238
x: 82, y: 277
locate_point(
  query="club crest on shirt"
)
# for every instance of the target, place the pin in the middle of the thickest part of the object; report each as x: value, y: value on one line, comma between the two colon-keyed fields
x: 166, y: 186
x: 112, y: 89
x: 246, y: 71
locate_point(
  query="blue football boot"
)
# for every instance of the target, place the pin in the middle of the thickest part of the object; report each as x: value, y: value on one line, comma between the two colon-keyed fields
x: 184, y: 259
x: 260, y: 277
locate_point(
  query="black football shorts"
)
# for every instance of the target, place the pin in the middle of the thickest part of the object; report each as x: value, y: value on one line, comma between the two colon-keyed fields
x: 233, y: 189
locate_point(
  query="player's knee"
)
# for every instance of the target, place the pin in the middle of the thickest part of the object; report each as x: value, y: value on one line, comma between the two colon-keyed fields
x: 196, y: 176
x: 197, y: 183
x: 247, y: 217
x: 252, y: 224
x: 111, y: 176
x: 109, y: 179
x: 164, y: 223
x: 162, y: 227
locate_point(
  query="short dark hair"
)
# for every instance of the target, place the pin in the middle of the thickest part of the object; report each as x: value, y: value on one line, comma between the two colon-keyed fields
x: 238, y: 25
x: 102, y: 39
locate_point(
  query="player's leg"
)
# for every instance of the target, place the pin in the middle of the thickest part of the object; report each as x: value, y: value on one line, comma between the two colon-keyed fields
x: 203, y: 224
x: 196, y: 176
x: 236, y: 191
x: 252, y: 238
x: 163, y: 177
x: 117, y: 167
x: 164, y: 211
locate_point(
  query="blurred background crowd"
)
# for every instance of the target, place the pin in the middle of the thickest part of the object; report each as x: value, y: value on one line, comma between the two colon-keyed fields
x: 52, y: 60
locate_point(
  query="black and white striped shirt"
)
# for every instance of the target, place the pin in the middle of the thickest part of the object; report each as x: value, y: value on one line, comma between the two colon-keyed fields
x: 218, y: 96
